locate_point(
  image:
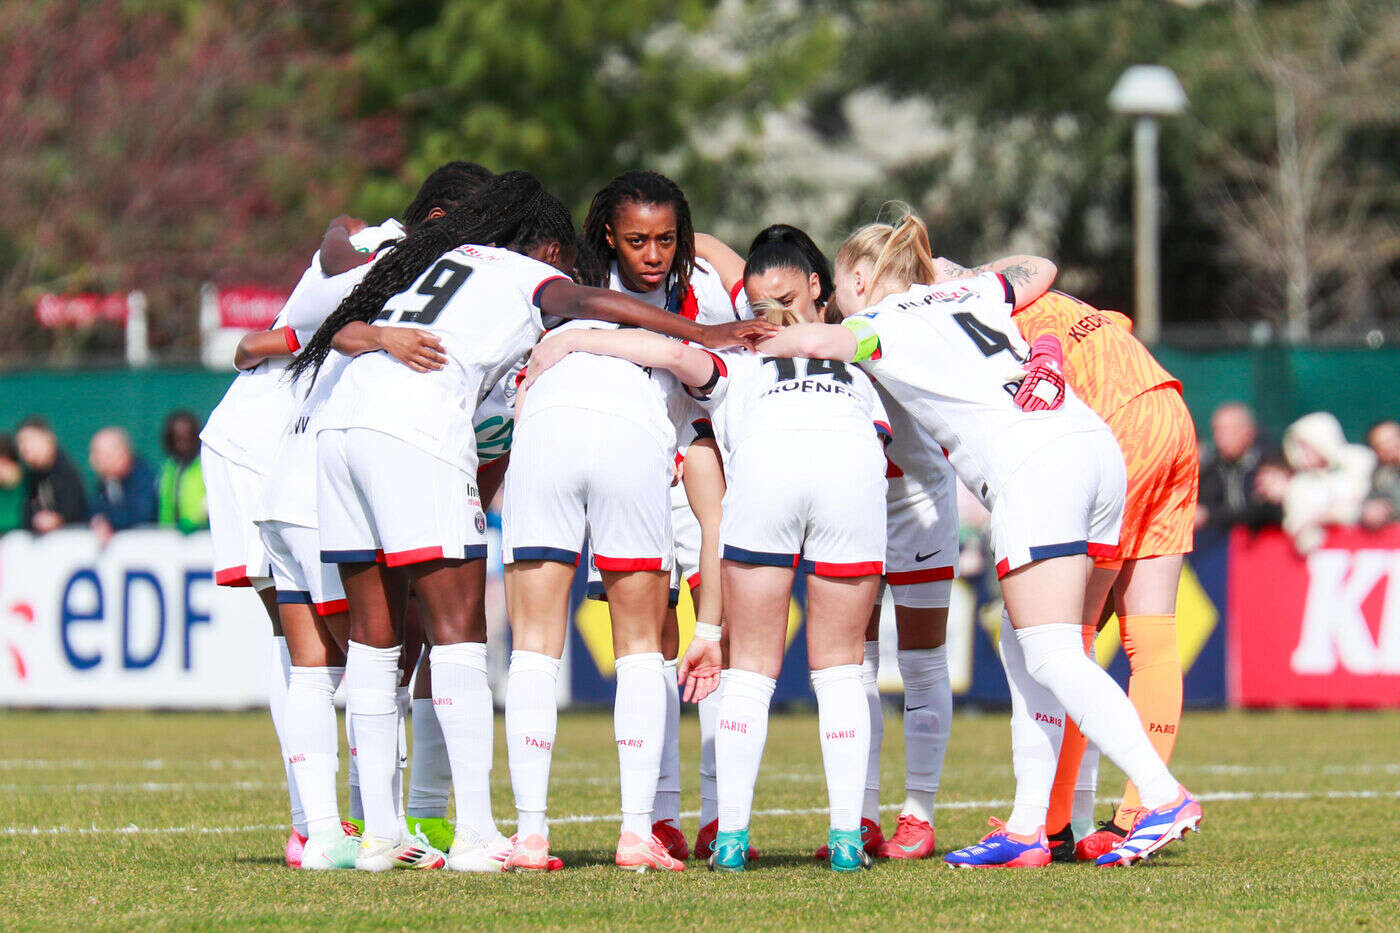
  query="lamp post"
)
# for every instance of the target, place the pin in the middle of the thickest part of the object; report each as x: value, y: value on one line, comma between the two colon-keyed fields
x: 1147, y: 93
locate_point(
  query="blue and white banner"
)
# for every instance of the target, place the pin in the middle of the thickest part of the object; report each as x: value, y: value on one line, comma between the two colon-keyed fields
x: 138, y: 623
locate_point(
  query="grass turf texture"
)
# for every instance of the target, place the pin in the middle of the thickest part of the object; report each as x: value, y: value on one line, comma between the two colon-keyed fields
x: 1321, y: 855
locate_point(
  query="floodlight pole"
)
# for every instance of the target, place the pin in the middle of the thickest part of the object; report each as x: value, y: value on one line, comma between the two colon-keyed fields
x: 1147, y: 232
x: 1146, y: 93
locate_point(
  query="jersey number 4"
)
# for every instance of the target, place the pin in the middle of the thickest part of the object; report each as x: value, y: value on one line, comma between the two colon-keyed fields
x: 787, y: 368
x: 988, y: 340
x: 440, y: 284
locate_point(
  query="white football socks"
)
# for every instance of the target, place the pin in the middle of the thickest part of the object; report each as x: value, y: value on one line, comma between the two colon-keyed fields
x: 430, y: 776
x: 462, y: 699
x: 708, y: 709
x: 928, y: 719
x: 870, y: 681
x: 843, y: 720
x: 371, y: 679
x: 667, y: 808
x: 279, y: 672
x: 403, y: 700
x: 1037, y: 729
x: 741, y: 729
x: 356, y: 808
x: 313, y: 743
x: 532, y: 716
x: 1103, y: 711
x: 639, y: 726
x: 1086, y: 786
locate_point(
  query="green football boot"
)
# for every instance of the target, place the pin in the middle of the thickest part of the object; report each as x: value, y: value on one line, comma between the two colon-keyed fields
x: 439, y: 831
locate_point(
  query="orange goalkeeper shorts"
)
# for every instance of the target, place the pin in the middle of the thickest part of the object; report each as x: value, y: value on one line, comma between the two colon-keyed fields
x: 1158, y: 441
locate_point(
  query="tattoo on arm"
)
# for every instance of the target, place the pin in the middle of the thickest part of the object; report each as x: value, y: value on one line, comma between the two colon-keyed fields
x: 1018, y: 274
x: 947, y: 269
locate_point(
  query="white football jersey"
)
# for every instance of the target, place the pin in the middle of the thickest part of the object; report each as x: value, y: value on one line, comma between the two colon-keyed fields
x: 948, y: 354
x: 481, y: 303
x: 760, y: 394
x: 247, y: 424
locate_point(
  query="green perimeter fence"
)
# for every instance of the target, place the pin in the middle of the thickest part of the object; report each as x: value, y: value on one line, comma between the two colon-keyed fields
x: 1359, y: 386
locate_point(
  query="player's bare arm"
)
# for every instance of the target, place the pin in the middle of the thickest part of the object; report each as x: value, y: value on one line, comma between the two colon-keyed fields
x: 691, y: 366
x: 563, y: 298
x: 418, y: 349
x: 1029, y: 276
x: 812, y: 341
x: 337, y: 253
x: 262, y: 345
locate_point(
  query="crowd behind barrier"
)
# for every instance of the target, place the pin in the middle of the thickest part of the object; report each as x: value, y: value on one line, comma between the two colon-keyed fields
x: 108, y: 597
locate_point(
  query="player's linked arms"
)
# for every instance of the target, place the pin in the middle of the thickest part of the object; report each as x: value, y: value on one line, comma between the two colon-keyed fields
x: 420, y: 350
x: 564, y: 298
x: 813, y: 341
x: 695, y: 368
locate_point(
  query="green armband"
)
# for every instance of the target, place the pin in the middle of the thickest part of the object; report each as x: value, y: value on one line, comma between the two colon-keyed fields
x: 867, y: 341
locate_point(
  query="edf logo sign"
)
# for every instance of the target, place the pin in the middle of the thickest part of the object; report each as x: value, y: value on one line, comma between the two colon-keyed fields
x: 143, y: 612
x: 137, y: 623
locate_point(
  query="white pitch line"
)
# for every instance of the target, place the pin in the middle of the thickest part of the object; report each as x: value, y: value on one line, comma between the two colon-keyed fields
x: 1216, y: 797
x: 141, y: 764
x: 143, y: 787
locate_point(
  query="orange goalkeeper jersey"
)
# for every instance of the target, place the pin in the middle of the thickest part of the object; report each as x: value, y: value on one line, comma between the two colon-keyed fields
x: 1104, y: 363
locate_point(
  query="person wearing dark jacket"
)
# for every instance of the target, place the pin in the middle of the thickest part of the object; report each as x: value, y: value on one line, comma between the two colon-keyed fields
x: 126, y: 485
x: 1229, y: 495
x: 53, y: 490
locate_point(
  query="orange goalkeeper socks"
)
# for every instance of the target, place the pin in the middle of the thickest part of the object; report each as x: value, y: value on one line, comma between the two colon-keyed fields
x: 1155, y: 689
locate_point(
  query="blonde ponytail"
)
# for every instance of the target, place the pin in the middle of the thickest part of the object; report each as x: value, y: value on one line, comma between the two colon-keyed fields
x: 900, y: 254
x: 775, y: 312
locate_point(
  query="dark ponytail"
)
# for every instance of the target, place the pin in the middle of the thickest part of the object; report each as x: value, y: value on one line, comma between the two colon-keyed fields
x: 512, y: 209
x: 774, y: 247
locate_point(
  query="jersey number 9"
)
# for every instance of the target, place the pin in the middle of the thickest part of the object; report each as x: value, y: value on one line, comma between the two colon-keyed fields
x: 440, y: 284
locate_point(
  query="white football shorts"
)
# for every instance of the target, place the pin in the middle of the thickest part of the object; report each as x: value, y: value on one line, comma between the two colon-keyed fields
x: 813, y: 500
x: 1066, y: 499
x: 298, y: 571
x: 577, y: 473
x: 234, y: 492
x: 382, y: 498
x: 921, y: 552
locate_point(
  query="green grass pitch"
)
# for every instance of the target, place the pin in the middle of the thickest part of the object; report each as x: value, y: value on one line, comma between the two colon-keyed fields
x: 124, y: 820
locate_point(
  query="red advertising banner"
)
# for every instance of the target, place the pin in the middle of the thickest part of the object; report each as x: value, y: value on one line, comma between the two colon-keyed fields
x: 1320, y: 630
x: 249, y: 307
x: 67, y: 310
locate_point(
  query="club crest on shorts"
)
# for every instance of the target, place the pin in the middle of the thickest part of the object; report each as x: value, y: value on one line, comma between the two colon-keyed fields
x: 480, y: 523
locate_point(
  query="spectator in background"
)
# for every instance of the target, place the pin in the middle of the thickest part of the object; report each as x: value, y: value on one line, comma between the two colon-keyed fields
x: 180, y: 486
x: 53, y: 491
x: 1382, y: 505
x: 126, y: 485
x: 1230, y: 493
x: 1330, y: 479
x: 11, y: 483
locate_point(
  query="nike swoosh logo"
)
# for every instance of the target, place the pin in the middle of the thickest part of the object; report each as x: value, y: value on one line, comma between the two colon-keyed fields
x: 920, y: 558
x: 911, y: 709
